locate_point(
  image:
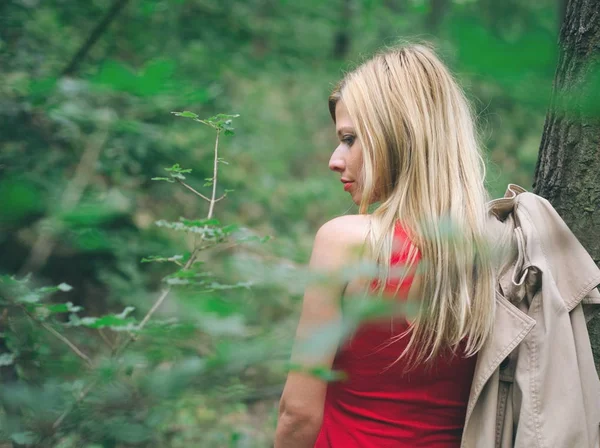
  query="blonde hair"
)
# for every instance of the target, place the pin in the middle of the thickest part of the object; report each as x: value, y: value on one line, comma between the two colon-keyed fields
x: 422, y: 163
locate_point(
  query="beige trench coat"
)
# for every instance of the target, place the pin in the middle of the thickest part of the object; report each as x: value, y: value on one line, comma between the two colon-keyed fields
x: 535, y: 384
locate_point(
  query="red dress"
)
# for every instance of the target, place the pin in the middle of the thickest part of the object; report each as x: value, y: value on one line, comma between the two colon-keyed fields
x: 378, y: 406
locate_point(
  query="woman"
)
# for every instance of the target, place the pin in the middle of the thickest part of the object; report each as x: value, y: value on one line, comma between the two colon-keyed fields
x: 407, y: 143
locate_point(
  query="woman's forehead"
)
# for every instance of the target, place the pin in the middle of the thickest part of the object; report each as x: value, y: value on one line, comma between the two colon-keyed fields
x: 342, y: 118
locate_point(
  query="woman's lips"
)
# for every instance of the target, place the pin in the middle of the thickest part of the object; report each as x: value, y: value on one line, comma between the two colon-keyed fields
x: 347, y: 185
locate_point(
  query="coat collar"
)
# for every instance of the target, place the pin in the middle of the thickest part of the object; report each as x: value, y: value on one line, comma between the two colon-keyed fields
x: 546, y: 243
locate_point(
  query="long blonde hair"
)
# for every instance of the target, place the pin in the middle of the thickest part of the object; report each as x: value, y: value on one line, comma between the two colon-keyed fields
x: 422, y: 163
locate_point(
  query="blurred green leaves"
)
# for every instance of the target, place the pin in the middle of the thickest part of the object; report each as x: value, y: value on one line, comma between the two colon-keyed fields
x: 116, y: 322
x: 154, y: 78
x: 220, y: 122
x: 19, y: 200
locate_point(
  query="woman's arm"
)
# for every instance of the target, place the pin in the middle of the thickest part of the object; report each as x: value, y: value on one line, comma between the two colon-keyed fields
x: 302, y: 401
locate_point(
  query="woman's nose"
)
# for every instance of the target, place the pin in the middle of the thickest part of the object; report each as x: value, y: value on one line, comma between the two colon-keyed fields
x: 336, y: 163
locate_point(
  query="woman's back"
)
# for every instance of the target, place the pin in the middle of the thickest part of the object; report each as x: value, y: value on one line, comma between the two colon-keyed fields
x: 379, y: 404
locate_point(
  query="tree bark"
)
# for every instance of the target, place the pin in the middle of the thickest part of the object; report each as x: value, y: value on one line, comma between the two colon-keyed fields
x: 562, y: 11
x: 568, y: 166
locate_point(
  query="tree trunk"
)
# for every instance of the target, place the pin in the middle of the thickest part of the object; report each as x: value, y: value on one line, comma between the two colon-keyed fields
x: 342, y: 39
x: 568, y: 166
x: 96, y: 33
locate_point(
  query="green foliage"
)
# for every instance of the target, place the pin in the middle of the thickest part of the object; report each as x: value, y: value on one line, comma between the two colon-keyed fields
x: 220, y: 122
x: 116, y: 322
x: 319, y: 372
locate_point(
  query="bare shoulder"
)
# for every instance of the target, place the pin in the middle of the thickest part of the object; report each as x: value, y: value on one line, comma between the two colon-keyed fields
x: 340, y: 240
x: 347, y: 230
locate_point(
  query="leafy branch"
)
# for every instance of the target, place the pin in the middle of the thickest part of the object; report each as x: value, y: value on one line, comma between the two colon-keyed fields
x: 29, y: 302
x: 207, y: 229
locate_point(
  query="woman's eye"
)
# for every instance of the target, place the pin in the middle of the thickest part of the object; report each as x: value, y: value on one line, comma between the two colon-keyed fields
x: 348, y: 140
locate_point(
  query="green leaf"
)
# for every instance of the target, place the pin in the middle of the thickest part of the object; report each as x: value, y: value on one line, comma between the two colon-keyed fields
x: 91, y: 239
x: 166, y: 179
x: 222, y: 122
x: 213, y: 304
x: 32, y: 297
x: 37, y: 294
x: 24, y: 438
x: 327, y: 374
x: 63, y: 308
x: 116, y: 76
x: 64, y: 287
x: 185, y: 114
x: 318, y: 371
x: 219, y: 286
x: 6, y: 359
x: 158, y: 259
x: 200, y: 222
x: 116, y: 322
x: 230, y: 228
x: 174, y: 281
x: 187, y: 277
x: 125, y: 312
x: 18, y: 200
x: 92, y: 214
x: 185, y: 273
x: 222, y: 118
x: 175, y: 168
x: 190, y: 226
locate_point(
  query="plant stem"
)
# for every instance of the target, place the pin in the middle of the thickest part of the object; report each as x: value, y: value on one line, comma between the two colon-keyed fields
x: 72, y: 346
x: 214, y: 181
x: 106, y: 340
x: 84, y: 393
x: 193, y: 190
x: 62, y: 338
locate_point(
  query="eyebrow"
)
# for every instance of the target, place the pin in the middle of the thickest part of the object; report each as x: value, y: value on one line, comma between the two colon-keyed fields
x: 348, y: 129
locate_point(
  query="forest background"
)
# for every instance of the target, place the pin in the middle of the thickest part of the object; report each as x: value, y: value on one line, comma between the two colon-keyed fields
x: 89, y: 242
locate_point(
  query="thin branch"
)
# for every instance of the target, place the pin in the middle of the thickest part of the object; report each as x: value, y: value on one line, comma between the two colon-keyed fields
x: 214, y: 180
x: 72, y: 346
x: 196, y: 192
x: 133, y: 337
x: 106, y: 340
x: 96, y: 33
x: 62, y: 338
x: 84, y: 393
